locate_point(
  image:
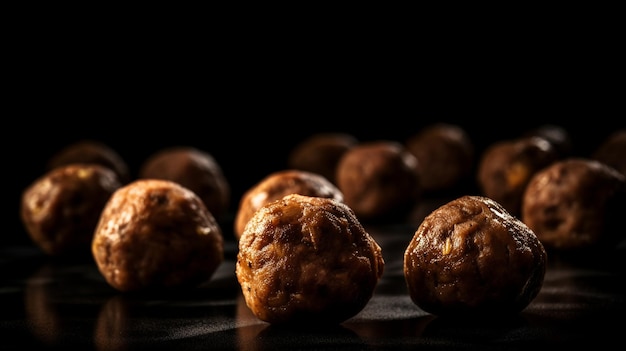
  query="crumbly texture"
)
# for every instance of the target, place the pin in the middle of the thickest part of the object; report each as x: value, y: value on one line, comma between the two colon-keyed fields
x: 506, y: 167
x: 278, y: 184
x: 305, y: 260
x: 612, y: 151
x: 379, y: 180
x: 91, y: 151
x: 576, y: 204
x: 445, y: 154
x: 320, y: 153
x: 61, y: 208
x: 194, y: 169
x: 471, y: 257
x: 156, y: 235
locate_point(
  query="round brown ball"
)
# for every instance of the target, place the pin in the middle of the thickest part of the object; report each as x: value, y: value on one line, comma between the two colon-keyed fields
x: 278, y: 184
x: 194, y: 169
x: 506, y: 167
x: 612, y: 151
x: 471, y: 257
x: 575, y: 204
x: 445, y: 153
x: 320, y: 153
x: 306, y: 259
x: 60, y: 209
x: 379, y: 180
x: 91, y: 151
x: 156, y: 235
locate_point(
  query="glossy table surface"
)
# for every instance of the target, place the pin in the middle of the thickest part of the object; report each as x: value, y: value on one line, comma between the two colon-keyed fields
x: 52, y: 304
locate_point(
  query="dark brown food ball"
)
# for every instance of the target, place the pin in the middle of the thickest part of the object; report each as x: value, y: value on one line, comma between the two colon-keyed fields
x: 156, y: 235
x: 471, y: 257
x: 320, y: 153
x: 612, y: 151
x: 556, y: 135
x: 506, y: 167
x: 278, y: 184
x: 194, y: 169
x: 91, y: 151
x: 445, y: 154
x: 307, y: 259
x: 379, y: 180
x: 61, y: 209
x: 576, y: 203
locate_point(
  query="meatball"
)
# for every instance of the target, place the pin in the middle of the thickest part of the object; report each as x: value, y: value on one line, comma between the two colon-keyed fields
x: 506, y: 167
x: 91, y: 151
x: 194, y: 169
x: 278, y: 184
x: 307, y: 259
x: 612, y: 151
x: 471, y: 257
x: 576, y: 203
x: 320, y: 153
x: 445, y: 154
x: 61, y: 209
x: 379, y: 180
x: 156, y: 235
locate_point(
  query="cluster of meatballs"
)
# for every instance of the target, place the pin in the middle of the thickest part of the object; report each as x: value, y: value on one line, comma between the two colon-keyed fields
x: 303, y: 249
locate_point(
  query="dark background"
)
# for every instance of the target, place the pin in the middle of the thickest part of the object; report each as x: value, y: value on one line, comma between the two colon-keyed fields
x: 249, y: 101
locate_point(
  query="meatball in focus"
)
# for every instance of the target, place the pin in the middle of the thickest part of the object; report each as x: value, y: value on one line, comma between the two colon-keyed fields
x: 156, y: 235
x: 194, y: 169
x: 320, y: 153
x: 91, y: 151
x: 576, y: 203
x: 506, y: 167
x: 307, y: 259
x: 61, y: 209
x: 471, y: 257
x: 278, y: 184
x: 379, y: 180
x: 445, y: 154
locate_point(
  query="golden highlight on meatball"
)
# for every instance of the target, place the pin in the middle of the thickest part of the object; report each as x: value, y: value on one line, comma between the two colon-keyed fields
x: 303, y: 259
x: 278, y: 184
x: 470, y: 256
x: 156, y: 235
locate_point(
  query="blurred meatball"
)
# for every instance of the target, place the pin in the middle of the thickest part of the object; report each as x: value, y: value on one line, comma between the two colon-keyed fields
x: 61, y: 208
x: 506, y: 167
x: 557, y: 135
x: 320, y: 153
x: 156, y: 235
x: 445, y: 154
x: 612, y: 151
x: 379, y: 180
x: 91, y: 151
x: 278, y: 184
x: 576, y: 203
x: 194, y: 169
x: 306, y: 259
x: 471, y: 257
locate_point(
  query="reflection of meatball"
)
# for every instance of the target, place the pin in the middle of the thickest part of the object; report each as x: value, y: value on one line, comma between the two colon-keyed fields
x: 612, y: 151
x: 156, y: 234
x: 379, y: 180
x: 320, y: 153
x: 91, y: 151
x: 470, y: 256
x: 194, y: 169
x: 60, y: 209
x: 278, y: 184
x: 506, y: 167
x: 575, y: 204
x: 307, y: 259
x: 445, y: 154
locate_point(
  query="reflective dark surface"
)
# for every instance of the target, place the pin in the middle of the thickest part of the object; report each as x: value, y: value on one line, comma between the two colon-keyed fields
x: 52, y: 304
